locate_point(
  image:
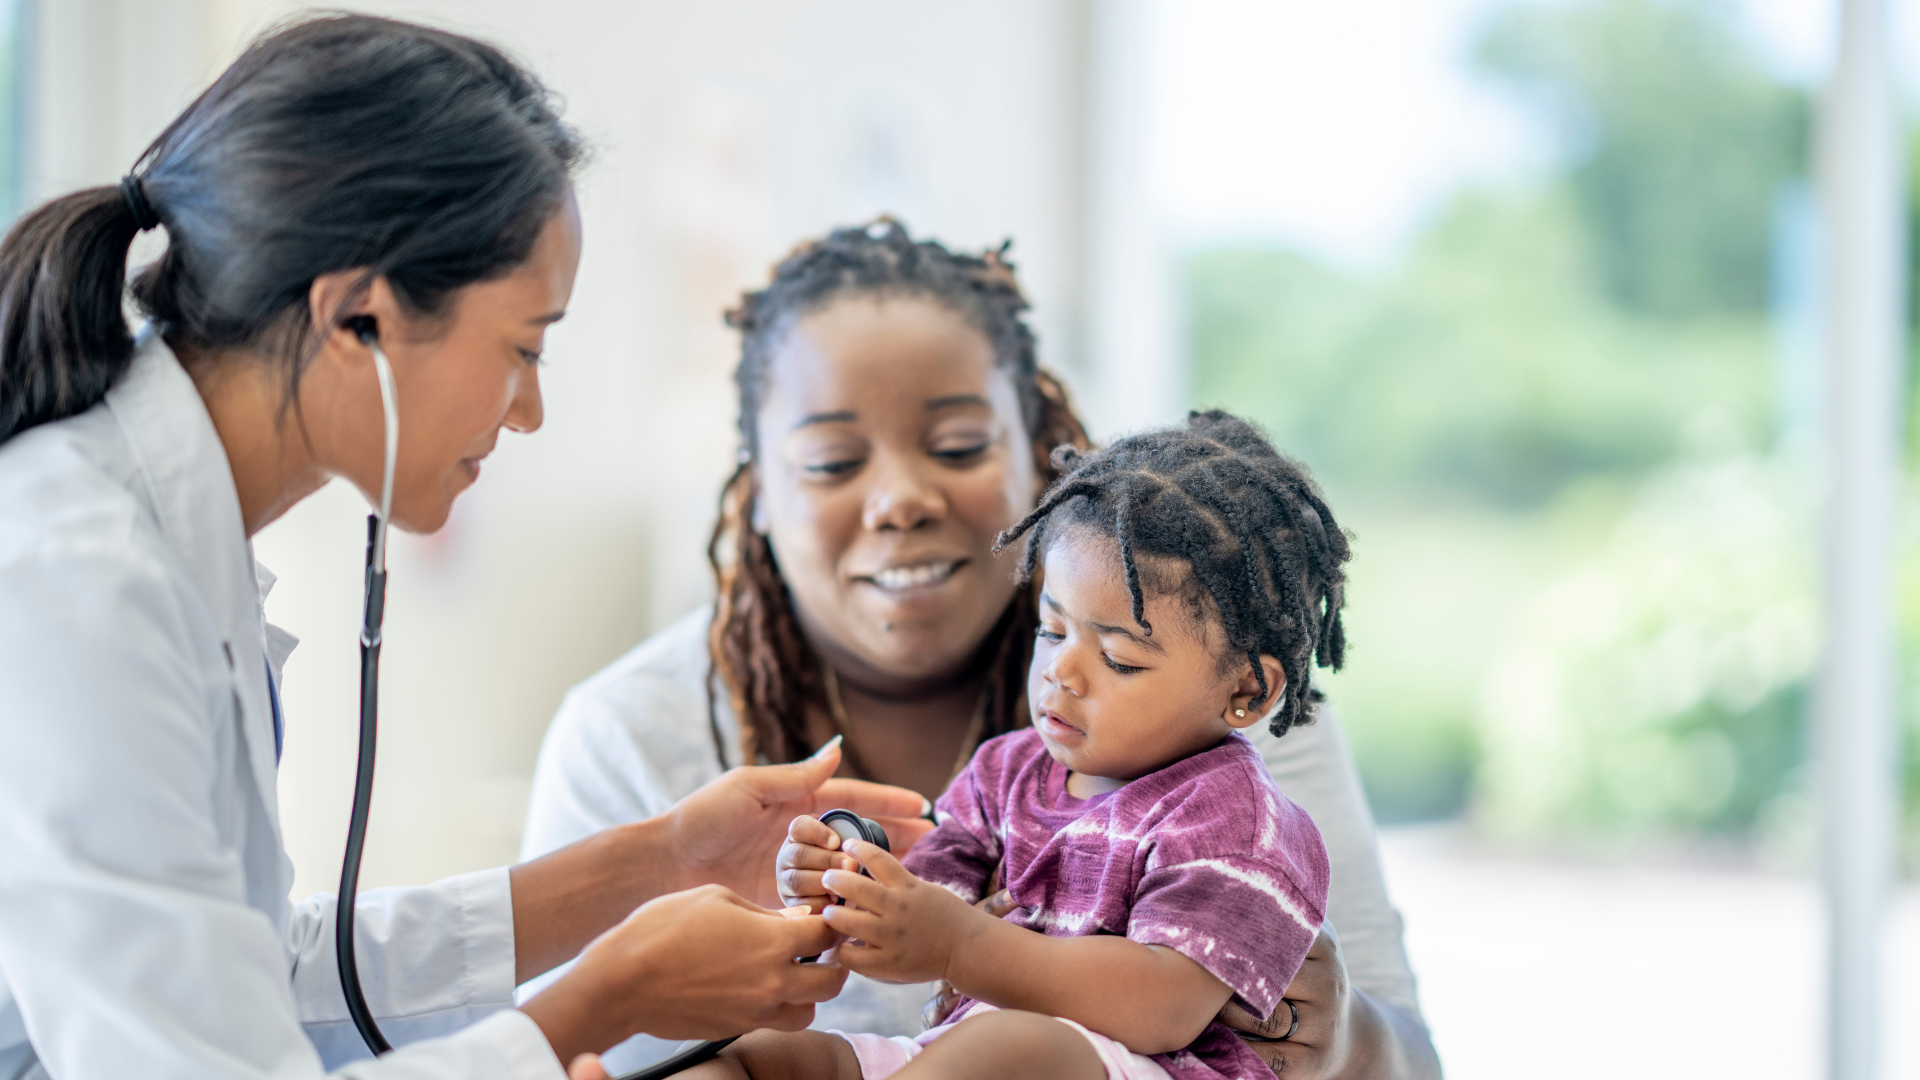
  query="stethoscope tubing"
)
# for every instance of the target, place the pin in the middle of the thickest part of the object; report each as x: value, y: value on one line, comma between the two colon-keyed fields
x: 373, y: 613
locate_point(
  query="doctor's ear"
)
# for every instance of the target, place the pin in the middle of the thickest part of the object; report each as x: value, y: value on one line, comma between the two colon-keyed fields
x: 347, y: 306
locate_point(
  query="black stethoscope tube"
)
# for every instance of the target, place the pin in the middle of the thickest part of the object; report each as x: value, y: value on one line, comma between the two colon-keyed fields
x: 343, y: 921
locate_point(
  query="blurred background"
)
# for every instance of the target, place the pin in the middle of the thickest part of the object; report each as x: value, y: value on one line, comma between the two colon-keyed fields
x: 1530, y: 284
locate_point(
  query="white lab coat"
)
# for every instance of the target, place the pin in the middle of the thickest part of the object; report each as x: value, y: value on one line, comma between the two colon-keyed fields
x: 145, y: 929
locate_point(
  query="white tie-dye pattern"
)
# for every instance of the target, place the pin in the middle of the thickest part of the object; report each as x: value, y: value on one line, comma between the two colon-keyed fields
x: 1258, y: 881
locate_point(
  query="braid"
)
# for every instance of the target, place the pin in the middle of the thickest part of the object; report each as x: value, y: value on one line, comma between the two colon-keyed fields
x: 1256, y: 533
x: 760, y: 659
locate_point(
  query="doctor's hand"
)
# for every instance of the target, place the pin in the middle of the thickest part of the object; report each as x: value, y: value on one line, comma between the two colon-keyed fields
x: 700, y: 964
x: 729, y: 831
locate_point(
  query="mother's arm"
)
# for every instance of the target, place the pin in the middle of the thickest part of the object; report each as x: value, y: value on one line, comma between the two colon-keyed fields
x: 1359, y: 1014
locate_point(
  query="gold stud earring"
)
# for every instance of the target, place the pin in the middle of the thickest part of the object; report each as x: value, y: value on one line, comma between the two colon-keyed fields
x: 1241, y: 713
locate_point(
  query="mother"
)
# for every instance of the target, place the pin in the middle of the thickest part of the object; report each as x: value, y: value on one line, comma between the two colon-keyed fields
x: 892, y: 422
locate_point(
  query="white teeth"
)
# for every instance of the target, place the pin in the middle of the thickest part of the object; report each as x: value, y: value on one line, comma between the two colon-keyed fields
x: 896, y: 578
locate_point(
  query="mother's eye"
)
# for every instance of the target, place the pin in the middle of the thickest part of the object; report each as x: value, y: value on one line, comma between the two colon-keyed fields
x: 960, y: 453
x: 833, y: 468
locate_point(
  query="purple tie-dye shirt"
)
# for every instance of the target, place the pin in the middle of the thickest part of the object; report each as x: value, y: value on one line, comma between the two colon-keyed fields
x: 1205, y: 856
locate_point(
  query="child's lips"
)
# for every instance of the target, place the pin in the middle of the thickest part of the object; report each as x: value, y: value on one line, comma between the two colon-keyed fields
x: 1055, y: 728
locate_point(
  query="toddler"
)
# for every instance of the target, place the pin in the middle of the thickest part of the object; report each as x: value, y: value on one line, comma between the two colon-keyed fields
x: 1190, y: 579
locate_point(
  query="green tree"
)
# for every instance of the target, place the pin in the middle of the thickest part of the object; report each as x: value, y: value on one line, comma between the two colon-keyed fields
x: 1678, y: 140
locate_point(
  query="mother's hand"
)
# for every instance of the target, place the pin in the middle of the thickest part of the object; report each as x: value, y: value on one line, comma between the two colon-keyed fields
x: 729, y: 831
x: 1343, y: 1033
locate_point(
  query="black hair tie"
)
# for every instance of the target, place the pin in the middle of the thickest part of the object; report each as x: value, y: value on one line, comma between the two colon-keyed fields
x: 135, y: 194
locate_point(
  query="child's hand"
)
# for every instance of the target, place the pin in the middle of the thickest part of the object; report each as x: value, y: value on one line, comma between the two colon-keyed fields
x: 906, y: 929
x: 810, y: 848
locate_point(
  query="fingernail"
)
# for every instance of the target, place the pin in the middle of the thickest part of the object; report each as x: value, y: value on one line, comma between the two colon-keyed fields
x: 828, y: 745
x: 926, y: 806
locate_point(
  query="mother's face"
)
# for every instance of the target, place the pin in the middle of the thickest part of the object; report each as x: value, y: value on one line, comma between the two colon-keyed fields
x: 892, y: 451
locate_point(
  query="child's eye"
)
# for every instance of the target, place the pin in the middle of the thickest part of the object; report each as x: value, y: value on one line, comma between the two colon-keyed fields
x: 1047, y: 635
x: 1124, y: 669
x: 532, y: 356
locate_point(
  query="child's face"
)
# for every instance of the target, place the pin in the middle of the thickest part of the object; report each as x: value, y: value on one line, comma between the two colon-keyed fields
x: 1108, y: 700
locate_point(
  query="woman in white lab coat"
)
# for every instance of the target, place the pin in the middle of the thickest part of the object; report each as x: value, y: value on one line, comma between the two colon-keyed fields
x: 415, y: 184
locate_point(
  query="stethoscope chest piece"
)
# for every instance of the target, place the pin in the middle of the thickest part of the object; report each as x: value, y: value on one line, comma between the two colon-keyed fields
x: 848, y: 825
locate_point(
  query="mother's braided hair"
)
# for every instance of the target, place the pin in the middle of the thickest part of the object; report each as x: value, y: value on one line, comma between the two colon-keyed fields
x: 1251, y: 523
x: 758, y: 652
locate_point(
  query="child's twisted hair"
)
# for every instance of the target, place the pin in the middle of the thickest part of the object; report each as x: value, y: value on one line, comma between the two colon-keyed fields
x: 1258, y: 534
x: 757, y: 650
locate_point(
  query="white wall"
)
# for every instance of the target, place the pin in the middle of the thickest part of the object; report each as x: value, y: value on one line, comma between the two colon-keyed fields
x: 724, y: 132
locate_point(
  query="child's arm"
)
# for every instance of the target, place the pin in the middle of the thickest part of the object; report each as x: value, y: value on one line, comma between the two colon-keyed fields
x: 1149, y: 997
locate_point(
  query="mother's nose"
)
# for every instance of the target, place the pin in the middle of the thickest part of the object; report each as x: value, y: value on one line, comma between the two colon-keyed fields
x: 898, y: 497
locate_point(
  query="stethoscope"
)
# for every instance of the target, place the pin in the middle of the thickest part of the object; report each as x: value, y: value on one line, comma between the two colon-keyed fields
x: 847, y: 824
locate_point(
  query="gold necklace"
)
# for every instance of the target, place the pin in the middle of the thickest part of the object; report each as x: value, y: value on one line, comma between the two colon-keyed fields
x: 837, y: 713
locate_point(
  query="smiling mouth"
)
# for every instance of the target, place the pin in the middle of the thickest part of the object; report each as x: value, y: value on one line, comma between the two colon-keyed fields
x: 919, y: 576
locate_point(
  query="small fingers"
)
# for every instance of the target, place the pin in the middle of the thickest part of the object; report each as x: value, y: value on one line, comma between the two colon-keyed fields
x: 880, y: 863
x: 856, y: 889
x: 854, y: 923
x: 811, y: 832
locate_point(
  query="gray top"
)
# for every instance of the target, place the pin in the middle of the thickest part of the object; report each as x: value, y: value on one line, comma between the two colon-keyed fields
x: 630, y: 741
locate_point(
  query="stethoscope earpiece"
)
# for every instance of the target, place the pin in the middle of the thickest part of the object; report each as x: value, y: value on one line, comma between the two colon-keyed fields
x: 365, y: 328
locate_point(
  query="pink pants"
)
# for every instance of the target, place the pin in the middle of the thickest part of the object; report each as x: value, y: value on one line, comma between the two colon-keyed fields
x: 881, y: 1056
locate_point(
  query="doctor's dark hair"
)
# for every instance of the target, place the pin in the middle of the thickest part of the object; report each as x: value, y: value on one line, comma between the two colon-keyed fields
x: 1251, y: 531
x: 758, y: 653
x: 332, y: 144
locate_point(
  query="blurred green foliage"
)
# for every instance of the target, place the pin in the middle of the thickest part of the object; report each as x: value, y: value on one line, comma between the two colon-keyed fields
x: 1679, y: 139
x: 1584, y: 577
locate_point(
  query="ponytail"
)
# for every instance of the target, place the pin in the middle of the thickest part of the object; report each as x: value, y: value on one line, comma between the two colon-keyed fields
x: 63, y: 332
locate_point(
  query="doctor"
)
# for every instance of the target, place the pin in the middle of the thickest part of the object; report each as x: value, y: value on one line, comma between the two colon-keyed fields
x: 343, y: 169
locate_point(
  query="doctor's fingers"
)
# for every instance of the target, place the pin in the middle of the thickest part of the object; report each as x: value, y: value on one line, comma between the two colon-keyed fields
x: 805, y: 935
x: 809, y: 983
x: 869, y: 799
